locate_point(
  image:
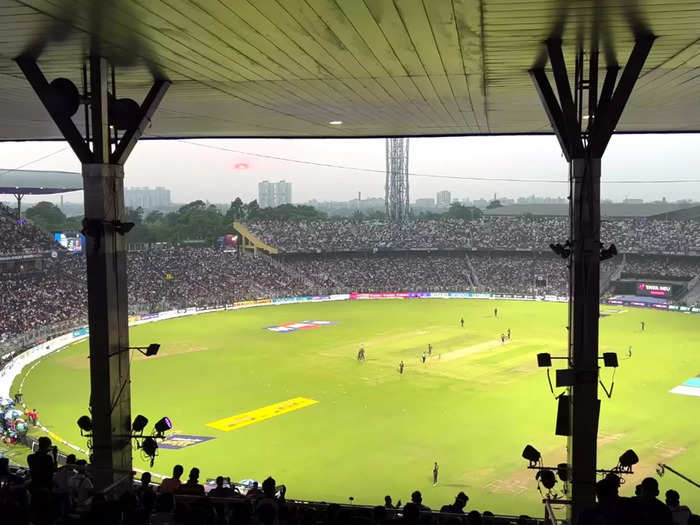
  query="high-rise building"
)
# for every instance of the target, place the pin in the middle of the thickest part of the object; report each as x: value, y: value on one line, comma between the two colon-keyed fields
x: 425, y: 203
x: 272, y: 194
x: 443, y: 199
x: 147, y: 198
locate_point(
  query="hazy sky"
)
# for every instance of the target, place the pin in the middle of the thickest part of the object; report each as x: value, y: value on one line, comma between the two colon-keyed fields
x: 207, y: 170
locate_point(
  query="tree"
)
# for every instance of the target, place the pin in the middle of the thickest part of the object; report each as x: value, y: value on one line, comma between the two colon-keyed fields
x: 494, y: 204
x: 459, y: 211
x: 46, y: 215
x: 236, y: 212
x: 154, y: 217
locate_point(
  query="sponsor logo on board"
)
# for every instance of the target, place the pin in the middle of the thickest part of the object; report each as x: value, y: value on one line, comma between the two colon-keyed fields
x: 180, y: 441
x: 298, y: 325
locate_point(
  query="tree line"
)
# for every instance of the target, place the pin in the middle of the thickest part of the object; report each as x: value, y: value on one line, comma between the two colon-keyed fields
x: 200, y: 221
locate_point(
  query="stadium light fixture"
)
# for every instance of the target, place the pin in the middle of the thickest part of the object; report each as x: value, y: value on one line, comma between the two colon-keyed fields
x: 163, y: 425
x: 336, y: 122
x: 563, y: 471
x: 544, y: 360
x: 628, y: 459
x: 547, y: 478
x: 150, y: 448
x: 85, y: 424
x: 610, y: 359
x: 532, y: 455
x: 563, y: 251
x: 139, y: 423
x: 148, y: 351
x: 607, y: 253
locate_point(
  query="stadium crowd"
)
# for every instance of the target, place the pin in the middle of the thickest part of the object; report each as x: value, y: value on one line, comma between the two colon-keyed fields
x: 24, y: 238
x: 48, y: 493
x: 490, y: 232
x: 662, y: 266
x: 169, y: 278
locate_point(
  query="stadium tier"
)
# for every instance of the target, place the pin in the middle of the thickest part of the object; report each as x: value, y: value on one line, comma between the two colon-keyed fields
x: 44, y: 285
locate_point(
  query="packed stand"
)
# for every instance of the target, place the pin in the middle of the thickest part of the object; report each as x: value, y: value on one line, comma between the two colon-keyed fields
x: 490, y: 232
x: 685, y: 269
x: 22, y: 238
x: 544, y: 274
x: 386, y: 272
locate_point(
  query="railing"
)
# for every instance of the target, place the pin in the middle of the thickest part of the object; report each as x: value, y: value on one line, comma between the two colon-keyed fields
x: 35, y: 336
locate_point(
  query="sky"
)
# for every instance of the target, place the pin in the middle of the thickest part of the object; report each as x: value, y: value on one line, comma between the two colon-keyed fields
x: 220, y: 170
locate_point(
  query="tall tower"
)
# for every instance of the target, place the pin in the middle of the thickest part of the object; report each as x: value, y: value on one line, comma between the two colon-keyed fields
x: 396, y: 186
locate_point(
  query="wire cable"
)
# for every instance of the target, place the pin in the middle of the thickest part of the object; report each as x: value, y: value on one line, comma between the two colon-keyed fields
x: 425, y: 175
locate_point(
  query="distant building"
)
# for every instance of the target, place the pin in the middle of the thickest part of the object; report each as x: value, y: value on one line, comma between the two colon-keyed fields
x: 272, y: 194
x: 443, y: 199
x: 425, y: 203
x: 147, y: 198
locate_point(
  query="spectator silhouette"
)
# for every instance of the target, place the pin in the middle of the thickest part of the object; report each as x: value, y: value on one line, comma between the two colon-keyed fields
x: 42, y: 465
x: 172, y: 485
x: 417, y: 499
x: 651, y: 510
x: 679, y: 513
x: 192, y: 487
x: 458, y: 506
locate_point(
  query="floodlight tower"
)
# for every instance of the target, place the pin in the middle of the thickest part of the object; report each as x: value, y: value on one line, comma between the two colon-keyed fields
x: 396, y: 186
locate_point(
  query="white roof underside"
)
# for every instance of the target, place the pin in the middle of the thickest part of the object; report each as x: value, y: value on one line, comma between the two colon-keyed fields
x: 285, y: 68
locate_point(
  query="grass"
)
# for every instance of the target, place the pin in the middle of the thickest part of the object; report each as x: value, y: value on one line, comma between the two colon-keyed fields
x: 375, y: 432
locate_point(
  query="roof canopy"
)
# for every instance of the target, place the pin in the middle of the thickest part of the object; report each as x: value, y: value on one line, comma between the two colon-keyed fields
x: 287, y: 68
x: 28, y: 182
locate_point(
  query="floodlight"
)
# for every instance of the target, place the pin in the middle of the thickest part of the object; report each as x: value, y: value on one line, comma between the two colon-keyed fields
x: 64, y: 96
x: 122, y: 227
x: 563, y: 251
x: 139, y: 423
x: 563, y: 471
x: 163, y: 425
x: 547, y: 478
x: 531, y: 454
x: 544, y: 360
x: 123, y: 112
x: 628, y: 459
x: 150, y: 448
x: 610, y: 359
x: 148, y: 351
x: 85, y: 423
x: 607, y: 253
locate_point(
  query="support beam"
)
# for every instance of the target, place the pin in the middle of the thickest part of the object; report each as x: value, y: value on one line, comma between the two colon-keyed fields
x: 566, y: 99
x: 103, y: 184
x: 64, y: 123
x: 552, y: 109
x: 584, y: 265
x: 605, y: 126
x: 584, y: 276
x: 19, y: 196
x: 147, y: 110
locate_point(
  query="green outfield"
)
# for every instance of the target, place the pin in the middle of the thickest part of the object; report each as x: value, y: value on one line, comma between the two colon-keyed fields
x: 471, y: 407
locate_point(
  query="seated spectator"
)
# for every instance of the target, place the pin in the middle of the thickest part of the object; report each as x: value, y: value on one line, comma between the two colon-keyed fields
x: 81, y: 487
x: 417, y: 499
x: 458, y: 506
x: 7, y: 477
x: 679, y: 513
x: 192, y: 487
x: 62, y: 480
x: 254, y: 491
x: 220, y: 491
x: 474, y: 518
x: 389, y: 505
x: 145, y: 494
x: 651, y: 510
x: 171, y: 485
x: 42, y: 465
